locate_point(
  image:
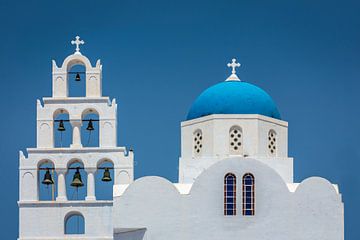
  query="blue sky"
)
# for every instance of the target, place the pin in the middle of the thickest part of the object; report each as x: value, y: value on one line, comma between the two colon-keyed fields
x: 159, y: 55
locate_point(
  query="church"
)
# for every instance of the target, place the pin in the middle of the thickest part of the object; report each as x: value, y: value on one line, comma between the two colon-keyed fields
x: 235, y: 176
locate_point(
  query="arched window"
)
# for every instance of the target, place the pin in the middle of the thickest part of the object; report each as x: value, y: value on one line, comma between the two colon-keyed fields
x: 62, y: 129
x: 90, y: 128
x: 76, y: 179
x: 47, y: 179
x: 198, y: 139
x: 76, y: 80
x: 230, y: 194
x: 104, y: 180
x: 74, y: 223
x: 235, y: 140
x: 272, y: 142
x: 248, y: 197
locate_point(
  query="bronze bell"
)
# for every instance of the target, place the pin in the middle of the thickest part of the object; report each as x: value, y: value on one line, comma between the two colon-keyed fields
x: 47, y: 178
x: 90, y: 126
x: 61, y: 127
x: 77, y: 77
x: 106, y: 177
x: 77, y: 182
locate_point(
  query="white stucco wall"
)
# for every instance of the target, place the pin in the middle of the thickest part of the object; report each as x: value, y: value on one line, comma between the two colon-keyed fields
x: 215, y: 146
x: 313, y: 212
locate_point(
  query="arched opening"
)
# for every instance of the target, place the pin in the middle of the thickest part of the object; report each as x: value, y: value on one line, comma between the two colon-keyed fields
x: 47, y: 179
x: 76, y: 179
x: 74, y: 223
x: 77, y: 80
x: 104, y: 180
x: 248, y: 200
x: 62, y: 129
x: 90, y: 128
x: 236, y: 140
x: 230, y: 194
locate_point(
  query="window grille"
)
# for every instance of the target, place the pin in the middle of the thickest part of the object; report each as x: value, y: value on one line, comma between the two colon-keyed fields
x: 248, y: 197
x: 229, y: 194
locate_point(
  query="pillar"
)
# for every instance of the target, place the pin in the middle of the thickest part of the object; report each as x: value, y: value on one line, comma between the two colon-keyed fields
x: 76, y: 124
x: 90, y: 184
x: 61, y: 185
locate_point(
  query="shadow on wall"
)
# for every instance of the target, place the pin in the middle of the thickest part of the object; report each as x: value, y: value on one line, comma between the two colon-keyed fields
x: 129, y: 233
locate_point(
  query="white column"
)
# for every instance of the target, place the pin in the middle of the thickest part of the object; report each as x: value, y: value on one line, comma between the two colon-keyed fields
x: 90, y: 184
x: 76, y: 124
x: 61, y: 185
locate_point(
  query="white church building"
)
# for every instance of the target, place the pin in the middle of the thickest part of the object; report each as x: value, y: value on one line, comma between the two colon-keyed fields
x: 235, y: 176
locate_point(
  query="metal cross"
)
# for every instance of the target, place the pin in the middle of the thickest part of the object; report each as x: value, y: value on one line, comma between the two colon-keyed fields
x: 233, y: 65
x: 77, y: 42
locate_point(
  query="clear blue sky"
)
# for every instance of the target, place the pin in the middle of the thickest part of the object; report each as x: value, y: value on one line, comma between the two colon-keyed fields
x: 159, y: 55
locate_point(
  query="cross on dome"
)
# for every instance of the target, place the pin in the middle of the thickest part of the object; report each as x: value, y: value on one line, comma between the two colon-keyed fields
x: 77, y: 42
x: 233, y: 65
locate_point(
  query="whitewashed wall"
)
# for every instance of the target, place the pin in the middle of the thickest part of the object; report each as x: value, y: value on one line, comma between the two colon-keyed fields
x: 313, y: 212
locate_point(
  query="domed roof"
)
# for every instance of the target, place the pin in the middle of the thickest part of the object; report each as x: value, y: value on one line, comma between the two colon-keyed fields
x: 233, y: 97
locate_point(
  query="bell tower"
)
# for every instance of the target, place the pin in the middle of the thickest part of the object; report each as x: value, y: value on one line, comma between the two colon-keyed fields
x: 50, y: 164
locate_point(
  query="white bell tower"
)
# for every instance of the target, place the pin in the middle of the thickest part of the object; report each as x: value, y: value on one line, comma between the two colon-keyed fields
x: 46, y: 219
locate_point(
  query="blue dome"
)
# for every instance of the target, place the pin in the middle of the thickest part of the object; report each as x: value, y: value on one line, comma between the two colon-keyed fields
x: 233, y: 97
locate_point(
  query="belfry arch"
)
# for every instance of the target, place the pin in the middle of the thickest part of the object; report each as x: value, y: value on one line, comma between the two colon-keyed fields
x: 92, y: 75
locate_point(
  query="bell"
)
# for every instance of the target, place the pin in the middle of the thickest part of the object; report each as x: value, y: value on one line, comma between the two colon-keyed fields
x: 47, y: 178
x: 106, y: 177
x: 76, y: 182
x: 77, y: 77
x: 61, y: 127
x: 90, y: 126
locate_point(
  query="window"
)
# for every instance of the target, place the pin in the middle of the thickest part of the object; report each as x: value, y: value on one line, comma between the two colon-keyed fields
x: 47, y: 179
x: 235, y: 140
x: 197, y: 142
x: 248, y: 197
x: 74, y: 224
x: 229, y: 194
x: 272, y: 142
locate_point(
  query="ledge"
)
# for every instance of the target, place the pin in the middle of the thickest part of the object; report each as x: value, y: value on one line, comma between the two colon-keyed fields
x: 76, y: 150
x: 234, y: 116
x: 57, y: 100
x: 82, y: 203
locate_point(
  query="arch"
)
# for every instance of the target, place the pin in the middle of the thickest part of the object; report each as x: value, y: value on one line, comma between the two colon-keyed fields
x: 248, y: 194
x: 104, y: 179
x: 62, y: 138
x: 236, y: 140
x: 77, y: 59
x: 27, y: 185
x: 89, y: 110
x: 74, y: 160
x: 104, y: 160
x: 44, y: 161
x: 123, y: 177
x: 47, y: 179
x: 272, y: 142
x: 229, y: 194
x: 197, y: 142
x: 90, y: 129
x: 60, y: 111
x: 74, y: 223
x: 75, y: 167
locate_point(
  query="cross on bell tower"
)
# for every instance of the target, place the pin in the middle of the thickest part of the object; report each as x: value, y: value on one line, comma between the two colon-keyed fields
x: 233, y: 65
x: 77, y: 42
